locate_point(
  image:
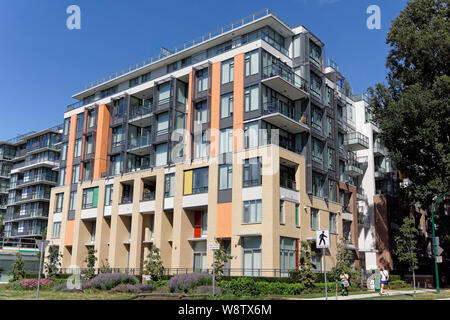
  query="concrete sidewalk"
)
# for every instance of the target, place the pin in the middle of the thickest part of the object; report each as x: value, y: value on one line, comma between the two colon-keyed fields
x: 370, y: 295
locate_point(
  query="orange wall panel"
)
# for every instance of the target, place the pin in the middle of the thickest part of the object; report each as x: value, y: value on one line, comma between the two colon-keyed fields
x: 238, y: 101
x: 224, y: 220
x: 101, y: 142
x: 69, y: 232
x: 215, y: 108
x: 71, y: 148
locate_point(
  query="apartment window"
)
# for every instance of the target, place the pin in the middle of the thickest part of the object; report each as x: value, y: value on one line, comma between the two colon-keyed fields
x: 116, y: 164
x: 59, y: 202
x: 201, y: 112
x: 90, y: 198
x: 64, y: 152
x: 87, y: 171
x: 162, y: 126
x: 317, y: 115
x: 251, y: 98
x: 200, y: 224
x: 200, y: 145
x: 317, y: 185
x: 161, y: 154
x: 66, y: 126
x: 226, y: 140
x: 329, y: 97
x: 314, y: 219
x: 225, y: 176
x: 297, y: 217
x: 180, y: 120
x: 252, y: 261
x: 332, y: 190
x: 330, y: 127
x: 169, y: 185
x: 164, y: 93
x: 316, y: 84
x: 181, y: 92
x: 108, y: 194
x: 341, y: 141
x: 196, y: 181
x: 287, y: 255
x: 202, y: 80
x: 89, y: 145
x: 199, y: 256
x: 91, y: 118
x: 134, y: 82
x: 333, y: 227
x: 252, y: 172
x: 227, y: 71
x: 56, y: 230
x: 315, y: 52
x: 330, y: 159
x: 80, y: 122
x: 78, y: 144
x: 226, y: 105
x: 76, y: 173
x: 72, y: 200
x: 61, y: 176
x: 317, y: 150
x: 252, y: 211
x: 297, y: 44
x: 251, y: 63
x: 341, y: 170
x: 251, y: 135
x: 281, y: 212
x: 117, y: 135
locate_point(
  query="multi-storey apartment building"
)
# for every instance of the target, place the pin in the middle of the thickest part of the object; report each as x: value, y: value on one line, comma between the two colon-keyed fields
x: 7, y: 152
x: 31, y: 159
x: 241, y: 137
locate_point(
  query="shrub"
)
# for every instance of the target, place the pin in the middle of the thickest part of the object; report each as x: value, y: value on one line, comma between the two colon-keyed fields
x: 157, y: 284
x: 14, y: 285
x: 33, y: 276
x: 394, y: 277
x: 126, y: 288
x: 107, y: 281
x: 208, y: 290
x: 185, y: 282
x: 87, y: 285
x: 62, y: 276
x: 32, y: 283
x: 242, y: 286
x: 146, y: 287
x: 398, y: 284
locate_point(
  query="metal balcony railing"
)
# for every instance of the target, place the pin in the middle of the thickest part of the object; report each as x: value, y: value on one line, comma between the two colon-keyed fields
x: 288, y: 75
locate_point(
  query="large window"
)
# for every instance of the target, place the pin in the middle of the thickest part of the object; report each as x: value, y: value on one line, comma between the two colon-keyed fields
x: 196, y: 181
x: 331, y: 190
x: 316, y: 84
x: 315, y: 53
x: 80, y: 122
x: 251, y: 98
x: 252, y: 261
x: 62, y: 177
x: 317, y: 115
x: 202, y: 80
x: 226, y: 140
x: 162, y: 126
x: 199, y: 256
x: 226, y: 105
x: 91, y: 118
x: 333, y: 225
x: 76, y: 173
x: 251, y: 135
x: 59, y: 202
x: 296, y: 45
x: 64, y: 152
x: 317, y: 185
x: 227, y: 71
x: 72, y: 200
x: 314, y: 219
x: 109, y: 194
x: 66, y: 126
x: 77, y: 152
x: 317, y: 150
x: 116, y: 164
x: 341, y: 170
x: 252, y: 172
x: 200, y: 145
x: 287, y: 255
x: 164, y: 93
x: 89, y: 145
x: 56, y: 230
x: 117, y: 136
x: 201, y: 112
x: 225, y: 176
x: 251, y: 63
x: 330, y: 159
x: 252, y: 211
x: 169, y: 185
x: 330, y: 127
x: 161, y: 154
x: 90, y: 198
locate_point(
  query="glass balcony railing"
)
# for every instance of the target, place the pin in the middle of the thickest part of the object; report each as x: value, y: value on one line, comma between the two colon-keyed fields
x: 380, y: 172
x: 357, y: 141
x: 378, y: 149
x: 31, y: 162
x: 32, y: 196
x: 282, y: 107
x: 127, y: 199
x: 140, y: 112
x: 139, y: 142
x: 288, y: 184
x: 288, y: 75
x: 33, y: 213
x: 148, y: 196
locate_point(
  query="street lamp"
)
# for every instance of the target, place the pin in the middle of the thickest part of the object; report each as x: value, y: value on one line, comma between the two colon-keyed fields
x: 434, y: 239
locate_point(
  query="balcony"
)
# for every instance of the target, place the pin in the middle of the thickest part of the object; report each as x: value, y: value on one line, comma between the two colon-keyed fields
x: 40, y: 179
x: 31, y: 214
x: 353, y: 169
x: 285, y: 81
x: 35, y: 196
x: 26, y: 165
x: 141, y: 116
x: 360, y: 195
x: 356, y: 141
x: 283, y: 116
x: 380, y: 173
x: 140, y: 145
x: 378, y: 150
x: 26, y: 232
x: 288, y: 184
x: 363, y: 220
x: 331, y: 71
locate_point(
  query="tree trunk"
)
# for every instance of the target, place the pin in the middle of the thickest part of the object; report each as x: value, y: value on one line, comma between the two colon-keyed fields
x: 414, y: 281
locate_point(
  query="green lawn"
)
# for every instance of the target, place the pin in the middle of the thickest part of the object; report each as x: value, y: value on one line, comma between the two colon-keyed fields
x: 420, y: 296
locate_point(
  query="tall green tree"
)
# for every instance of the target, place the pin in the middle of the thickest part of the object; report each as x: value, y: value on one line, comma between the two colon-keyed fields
x: 53, y: 262
x: 413, y: 108
x: 18, y: 268
x: 89, y: 272
x: 344, y: 260
x: 153, y: 266
x: 220, y: 258
x: 406, y: 246
x: 306, y: 274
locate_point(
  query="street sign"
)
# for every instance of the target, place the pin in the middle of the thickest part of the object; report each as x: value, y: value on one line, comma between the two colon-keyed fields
x: 214, y: 246
x: 439, y: 259
x: 42, y: 244
x: 322, y: 239
x: 439, y: 250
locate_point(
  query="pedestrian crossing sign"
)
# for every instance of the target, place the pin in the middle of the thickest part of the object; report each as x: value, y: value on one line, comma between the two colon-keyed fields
x: 322, y: 239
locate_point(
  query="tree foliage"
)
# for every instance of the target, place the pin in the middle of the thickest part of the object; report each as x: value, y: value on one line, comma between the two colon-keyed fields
x: 220, y: 258
x: 153, y: 266
x: 53, y: 261
x: 18, y: 268
x: 406, y: 246
x: 305, y: 274
x: 90, y: 260
x: 413, y: 109
x: 344, y: 259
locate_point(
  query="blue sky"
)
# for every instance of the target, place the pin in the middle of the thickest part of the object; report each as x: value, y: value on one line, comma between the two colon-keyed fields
x: 43, y: 64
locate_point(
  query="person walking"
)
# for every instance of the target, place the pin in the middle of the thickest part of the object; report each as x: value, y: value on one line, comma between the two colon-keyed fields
x: 344, y: 283
x: 384, y: 275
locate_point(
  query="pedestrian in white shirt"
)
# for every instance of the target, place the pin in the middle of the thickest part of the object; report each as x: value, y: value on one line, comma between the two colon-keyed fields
x: 384, y: 274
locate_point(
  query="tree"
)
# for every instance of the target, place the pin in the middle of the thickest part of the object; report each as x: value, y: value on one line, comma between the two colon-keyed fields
x: 344, y: 260
x: 44, y: 234
x: 2, y: 228
x: 305, y: 274
x: 406, y: 246
x: 220, y: 258
x: 347, y: 88
x: 105, y: 268
x: 89, y: 273
x: 53, y: 261
x: 153, y: 265
x: 413, y: 109
x: 18, y: 268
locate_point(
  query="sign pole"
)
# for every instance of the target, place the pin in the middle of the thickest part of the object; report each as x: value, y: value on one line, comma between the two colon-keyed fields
x: 325, y: 273
x: 214, y: 271
x: 41, y: 245
x: 434, y: 241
